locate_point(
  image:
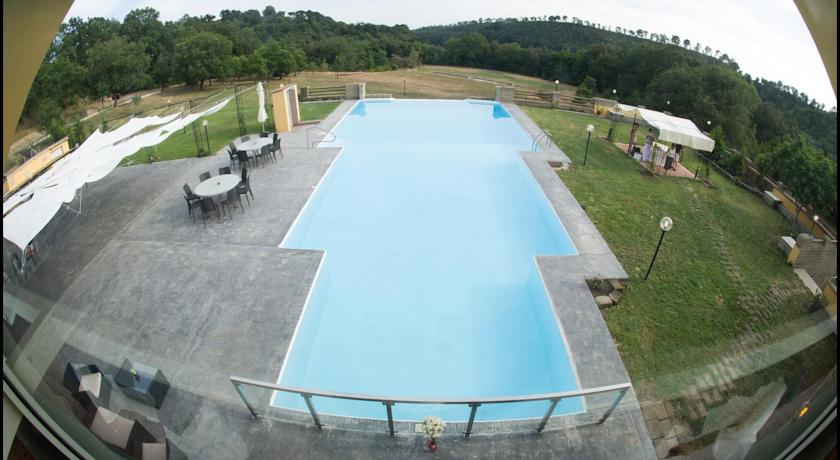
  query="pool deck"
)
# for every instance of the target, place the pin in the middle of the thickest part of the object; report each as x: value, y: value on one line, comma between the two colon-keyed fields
x: 134, y: 277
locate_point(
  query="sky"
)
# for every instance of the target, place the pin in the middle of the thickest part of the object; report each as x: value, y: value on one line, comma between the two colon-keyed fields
x: 768, y: 38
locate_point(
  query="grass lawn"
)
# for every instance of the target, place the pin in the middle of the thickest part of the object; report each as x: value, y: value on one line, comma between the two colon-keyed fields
x: 521, y: 81
x: 310, y: 111
x: 721, y: 252
x: 222, y: 127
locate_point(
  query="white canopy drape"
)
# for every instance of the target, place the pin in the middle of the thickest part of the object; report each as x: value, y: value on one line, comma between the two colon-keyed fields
x: 671, y: 129
x: 262, y: 116
x: 29, y: 210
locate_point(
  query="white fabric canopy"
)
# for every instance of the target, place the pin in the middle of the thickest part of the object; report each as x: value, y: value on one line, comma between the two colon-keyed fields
x: 671, y: 129
x: 31, y: 209
x: 261, y: 115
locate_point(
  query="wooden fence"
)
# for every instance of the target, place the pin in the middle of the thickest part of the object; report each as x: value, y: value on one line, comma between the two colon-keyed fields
x: 324, y: 93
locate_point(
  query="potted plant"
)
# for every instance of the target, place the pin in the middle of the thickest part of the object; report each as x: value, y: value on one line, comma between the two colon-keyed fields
x: 433, y: 427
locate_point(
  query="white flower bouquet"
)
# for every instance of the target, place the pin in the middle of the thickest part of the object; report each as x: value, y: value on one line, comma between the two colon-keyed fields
x: 433, y: 426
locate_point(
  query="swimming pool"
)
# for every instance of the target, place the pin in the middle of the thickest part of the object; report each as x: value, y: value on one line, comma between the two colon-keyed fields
x: 430, y: 222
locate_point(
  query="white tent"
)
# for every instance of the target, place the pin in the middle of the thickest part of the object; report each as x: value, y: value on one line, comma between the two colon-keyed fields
x: 29, y: 210
x: 261, y: 115
x: 671, y: 129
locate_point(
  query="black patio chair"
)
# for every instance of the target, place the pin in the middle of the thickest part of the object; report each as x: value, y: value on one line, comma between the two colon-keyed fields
x: 264, y: 153
x: 233, y: 199
x: 244, y: 187
x: 207, y: 205
x: 232, y: 155
x: 244, y: 161
x: 191, y: 205
x: 276, y: 147
x: 189, y: 193
x: 204, y: 176
x: 224, y: 170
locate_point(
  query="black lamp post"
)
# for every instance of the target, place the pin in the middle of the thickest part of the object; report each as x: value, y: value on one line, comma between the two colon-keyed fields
x: 709, y: 156
x: 614, y: 121
x: 589, y: 129
x: 814, y: 224
x: 556, y: 85
x: 665, y: 225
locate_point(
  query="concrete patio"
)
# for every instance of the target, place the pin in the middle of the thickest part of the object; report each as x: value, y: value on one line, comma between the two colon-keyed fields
x: 134, y: 277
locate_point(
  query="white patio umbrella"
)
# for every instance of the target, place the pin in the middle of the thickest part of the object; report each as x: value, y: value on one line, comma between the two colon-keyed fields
x: 262, y: 116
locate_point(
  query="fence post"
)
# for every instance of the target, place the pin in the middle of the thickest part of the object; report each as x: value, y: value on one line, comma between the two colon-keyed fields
x: 312, y: 411
x: 473, y: 409
x: 388, y: 405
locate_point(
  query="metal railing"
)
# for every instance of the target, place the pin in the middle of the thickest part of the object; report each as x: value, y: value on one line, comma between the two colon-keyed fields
x: 544, y: 136
x: 324, y: 132
x: 389, y: 402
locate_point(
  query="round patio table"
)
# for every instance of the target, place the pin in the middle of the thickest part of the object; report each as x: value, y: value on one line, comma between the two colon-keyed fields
x: 254, y: 145
x: 217, y: 185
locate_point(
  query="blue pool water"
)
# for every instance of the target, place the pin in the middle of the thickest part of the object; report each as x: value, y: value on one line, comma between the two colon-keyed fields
x: 430, y: 222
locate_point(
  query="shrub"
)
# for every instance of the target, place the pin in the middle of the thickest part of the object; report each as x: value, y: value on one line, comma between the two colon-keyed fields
x: 587, y: 87
x: 735, y: 164
x: 57, y: 128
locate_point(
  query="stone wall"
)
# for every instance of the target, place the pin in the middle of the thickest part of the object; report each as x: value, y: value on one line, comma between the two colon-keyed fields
x: 818, y: 257
x: 504, y: 94
x: 354, y: 91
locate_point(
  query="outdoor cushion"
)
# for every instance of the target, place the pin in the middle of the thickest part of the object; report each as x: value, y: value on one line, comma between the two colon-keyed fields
x: 153, y: 451
x: 111, y: 428
x: 91, y: 383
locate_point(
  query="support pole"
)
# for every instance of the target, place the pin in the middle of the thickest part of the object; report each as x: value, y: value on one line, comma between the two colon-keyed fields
x: 312, y: 411
x: 473, y: 409
x: 238, y: 389
x: 618, y: 399
x: 547, y: 415
x: 388, y: 405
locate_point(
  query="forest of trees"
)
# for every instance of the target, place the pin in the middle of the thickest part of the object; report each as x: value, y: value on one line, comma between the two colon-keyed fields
x: 96, y: 58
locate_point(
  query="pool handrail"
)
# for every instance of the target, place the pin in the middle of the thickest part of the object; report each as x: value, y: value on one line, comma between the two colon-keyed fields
x: 312, y: 145
x: 545, y: 136
x: 389, y: 401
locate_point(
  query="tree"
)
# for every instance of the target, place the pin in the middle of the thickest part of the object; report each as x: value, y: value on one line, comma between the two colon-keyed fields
x: 587, y: 87
x: 246, y: 42
x: 201, y: 56
x: 254, y: 65
x: 280, y: 62
x: 117, y: 67
x: 686, y: 43
x: 675, y: 39
x: 795, y: 162
x: 62, y: 81
x: 143, y: 26
x: 300, y: 59
x: 162, y: 70
x: 770, y: 123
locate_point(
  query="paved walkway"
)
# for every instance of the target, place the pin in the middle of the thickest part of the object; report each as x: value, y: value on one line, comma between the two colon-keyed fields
x: 134, y: 277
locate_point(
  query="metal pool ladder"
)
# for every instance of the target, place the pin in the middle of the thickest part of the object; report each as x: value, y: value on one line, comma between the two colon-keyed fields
x: 544, y: 136
x: 322, y: 132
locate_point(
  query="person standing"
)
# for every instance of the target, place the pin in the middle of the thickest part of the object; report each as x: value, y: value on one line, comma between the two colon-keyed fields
x: 669, y: 157
x: 632, y: 139
x: 648, y: 148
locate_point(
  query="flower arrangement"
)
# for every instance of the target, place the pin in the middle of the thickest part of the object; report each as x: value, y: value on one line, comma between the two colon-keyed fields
x: 433, y: 427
